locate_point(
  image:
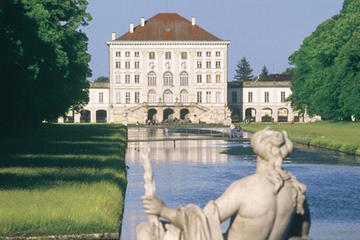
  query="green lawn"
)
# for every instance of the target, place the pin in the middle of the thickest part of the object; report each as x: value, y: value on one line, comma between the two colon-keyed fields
x: 63, y: 179
x: 342, y: 136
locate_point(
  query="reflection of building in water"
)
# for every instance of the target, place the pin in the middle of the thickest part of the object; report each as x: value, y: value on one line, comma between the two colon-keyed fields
x: 192, y: 151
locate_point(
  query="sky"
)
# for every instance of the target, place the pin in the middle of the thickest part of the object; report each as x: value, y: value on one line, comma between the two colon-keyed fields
x: 266, y: 32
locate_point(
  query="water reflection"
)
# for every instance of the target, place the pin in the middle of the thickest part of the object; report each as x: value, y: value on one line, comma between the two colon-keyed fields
x: 198, y: 171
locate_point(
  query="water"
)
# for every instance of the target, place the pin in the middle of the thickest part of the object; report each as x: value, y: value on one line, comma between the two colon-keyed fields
x: 198, y: 171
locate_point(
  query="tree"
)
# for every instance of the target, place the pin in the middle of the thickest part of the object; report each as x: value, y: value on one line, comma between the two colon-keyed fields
x: 327, y: 70
x: 264, y: 75
x: 44, y: 58
x: 102, y: 79
x: 243, y: 71
x: 289, y: 70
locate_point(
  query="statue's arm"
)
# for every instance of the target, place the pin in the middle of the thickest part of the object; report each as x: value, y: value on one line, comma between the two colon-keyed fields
x: 155, y: 206
x: 229, y: 202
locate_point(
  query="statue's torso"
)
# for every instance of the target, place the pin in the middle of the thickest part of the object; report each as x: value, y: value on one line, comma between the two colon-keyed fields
x: 262, y: 214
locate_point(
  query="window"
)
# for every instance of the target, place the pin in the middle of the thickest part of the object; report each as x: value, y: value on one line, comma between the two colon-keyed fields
x: 198, y: 54
x: 101, y: 97
x: 127, y: 97
x: 137, y: 65
x: 118, y: 64
x: 184, y: 79
x: 117, y: 97
x: 184, y: 96
x: 250, y: 97
x: 168, y: 97
x: 208, y: 54
x: 208, y: 97
x: 152, y: 79
x: 208, y: 78
x: 199, y: 65
x: 183, y: 55
x: 118, y: 78
x: 151, y: 55
x: 168, y: 79
x: 218, y: 64
x: 208, y: 64
x: 199, y: 78
x: 218, y: 97
x: 127, y: 65
x: 266, y: 96
x: 127, y: 78
x: 199, y: 97
x: 282, y: 96
x: 217, y: 53
x: 127, y: 54
x: 218, y: 78
x: 137, y: 54
x: 118, y: 54
x: 137, y: 97
x: 234, y: 97
x: 137, y: 78
x: 152, y: 96
x: 167, y: 55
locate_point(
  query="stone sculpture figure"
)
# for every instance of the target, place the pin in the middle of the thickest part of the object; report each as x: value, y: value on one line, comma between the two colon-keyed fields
x: 269, y: 204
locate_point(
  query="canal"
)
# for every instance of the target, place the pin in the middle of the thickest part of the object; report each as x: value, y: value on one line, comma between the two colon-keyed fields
x: 196, y: 171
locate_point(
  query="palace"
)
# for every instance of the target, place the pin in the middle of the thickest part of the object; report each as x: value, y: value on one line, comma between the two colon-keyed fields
x: 169, y: 68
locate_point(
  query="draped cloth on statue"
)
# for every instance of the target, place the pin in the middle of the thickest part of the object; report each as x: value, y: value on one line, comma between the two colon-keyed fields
x: 199, y: 224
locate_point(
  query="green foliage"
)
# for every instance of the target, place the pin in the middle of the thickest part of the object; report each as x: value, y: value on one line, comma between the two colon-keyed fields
x: 243, y: 72
x: 102, y: 79
x: 289, y: 70
x: 327, y: 67
x: 44, y: 58
x: 264, y: 75
x: 62, y: 179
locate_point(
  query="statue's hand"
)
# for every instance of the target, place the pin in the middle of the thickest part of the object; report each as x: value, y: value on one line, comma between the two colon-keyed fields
x: 152, y: 205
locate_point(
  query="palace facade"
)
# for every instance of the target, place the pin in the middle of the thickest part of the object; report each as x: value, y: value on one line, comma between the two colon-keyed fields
x: 168, y: 67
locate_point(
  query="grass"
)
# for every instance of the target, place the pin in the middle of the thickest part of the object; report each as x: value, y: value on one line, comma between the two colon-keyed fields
x: 62, y: 179
x: 340, y: 136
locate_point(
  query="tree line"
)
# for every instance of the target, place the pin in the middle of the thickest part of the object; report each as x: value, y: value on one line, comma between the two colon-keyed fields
x: 325, y: 69
x: 44, y: 60
x: 326, y: 78
x: 243, y: 72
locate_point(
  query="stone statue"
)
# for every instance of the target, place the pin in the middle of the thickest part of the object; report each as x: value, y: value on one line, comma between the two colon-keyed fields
x: 267, y: 205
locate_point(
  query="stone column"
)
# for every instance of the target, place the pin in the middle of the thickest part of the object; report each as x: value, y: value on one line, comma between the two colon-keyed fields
x: 61, y: 120
x: 77, y: 117
x: 93, y: 116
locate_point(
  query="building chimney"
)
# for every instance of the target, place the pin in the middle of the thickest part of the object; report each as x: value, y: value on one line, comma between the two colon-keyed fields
x: 131, y: 27
x: 193, y: 21
x: 113, y: 35
x: 143, y: 22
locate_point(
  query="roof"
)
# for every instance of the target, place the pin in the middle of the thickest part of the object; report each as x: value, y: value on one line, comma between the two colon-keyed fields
x: 99, y: 84
x: 267, y: 84
x: 277, y: 77
x: 168, y: 27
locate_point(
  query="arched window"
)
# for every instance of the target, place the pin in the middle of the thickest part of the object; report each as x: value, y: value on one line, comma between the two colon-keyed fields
x: 152, y: 96
x: 168, y: 96
x: 168, y: 79
x: 184, y: 79
x: 152, y: 79
x: 184, y: 96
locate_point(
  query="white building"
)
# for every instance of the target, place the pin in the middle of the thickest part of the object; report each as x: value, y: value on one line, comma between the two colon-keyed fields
x: 169, y: 67
x: 264, y: 101
x: 165, y: 67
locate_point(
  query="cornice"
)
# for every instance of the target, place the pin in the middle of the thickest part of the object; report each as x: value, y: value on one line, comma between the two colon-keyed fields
x: 132, y: 43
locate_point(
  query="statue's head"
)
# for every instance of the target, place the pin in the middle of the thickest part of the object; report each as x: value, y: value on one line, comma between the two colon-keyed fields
x: 271, y: 146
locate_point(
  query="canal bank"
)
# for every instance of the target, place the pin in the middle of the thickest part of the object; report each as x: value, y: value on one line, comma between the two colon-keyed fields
x: 338, y: 136
x: 199, y: 171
